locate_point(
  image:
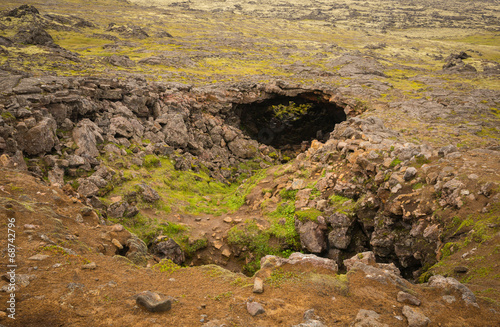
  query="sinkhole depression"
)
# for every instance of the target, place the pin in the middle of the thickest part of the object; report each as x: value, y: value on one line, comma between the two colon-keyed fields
x: 287, y: 123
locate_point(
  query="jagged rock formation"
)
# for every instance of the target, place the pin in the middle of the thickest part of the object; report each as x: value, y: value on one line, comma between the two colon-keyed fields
x: 90, y: 113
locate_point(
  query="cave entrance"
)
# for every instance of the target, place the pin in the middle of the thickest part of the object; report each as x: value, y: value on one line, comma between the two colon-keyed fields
x: 123, y: 251
x: 288, y: 123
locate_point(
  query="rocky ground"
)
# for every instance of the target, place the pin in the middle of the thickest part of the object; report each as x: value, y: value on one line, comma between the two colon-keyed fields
x: 187, y: 149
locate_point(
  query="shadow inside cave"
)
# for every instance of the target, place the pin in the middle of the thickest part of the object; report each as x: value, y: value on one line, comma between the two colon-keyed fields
x: 289, y: 123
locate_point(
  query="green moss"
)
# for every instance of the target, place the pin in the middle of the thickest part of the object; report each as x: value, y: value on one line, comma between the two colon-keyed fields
x: 315, y: 193
x: 447, y: 250
x: 308, y: 214
x: 424, y: 278
x: 491, y: 132
x: 192, y: 247
x: 421, y: 160
x: 166, y: 266
x: 273, y: 155
x: 417, y: 186
x: 147, y: 228
x: 288, y: 195
x: 395, y: 162
x: 257, y: 240
x: 342, y: 204
x: 221, y: 296
x: 7, y: 116
x: 283, y: 225
x: 184, y: 191
x: 279, y: 277
x: 151, y: 161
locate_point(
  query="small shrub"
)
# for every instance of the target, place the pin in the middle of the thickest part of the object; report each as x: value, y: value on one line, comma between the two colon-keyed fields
x: 291, y: 112
x: 166, y: 265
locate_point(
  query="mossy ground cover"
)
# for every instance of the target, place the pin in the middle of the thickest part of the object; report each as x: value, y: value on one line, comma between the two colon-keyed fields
x: 231, y: 47
x: 471, y: 242
x: 181, y: 193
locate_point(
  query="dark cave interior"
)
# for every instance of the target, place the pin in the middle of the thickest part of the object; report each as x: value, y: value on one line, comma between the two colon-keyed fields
x: 286, y: 122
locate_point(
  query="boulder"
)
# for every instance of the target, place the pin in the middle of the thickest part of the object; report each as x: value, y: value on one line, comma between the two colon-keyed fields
x: 148, y: 193
x: 138, y: 250
x: 302, y: 198
x: 168, y: 249
x: 121, y: 126
x: 381, y: 275
x: 56, y: 176
x: 39, y: 139
x: 258, y: 285
x: 22, y: 11
x: 175, y: 130
x: 255, y: 308
x: 297, y: 258
x: 310, y: 320
x: 415, y: 317
x: 242, y: 148
x: 137, y: 105
x: 75, y: 161
x: 339, y: 237
x: 35, y: 36
x: 86, y: 136
x: 117, y: 209
x: 410, y: 173
x: 153, y: 302
x: 87, y: 189
x: 312, y: 237
x: 451, y: 283
x: 15, y: 162
x: 368, y: 258
x: 407, y: 298
x: 121, y: 61
x: 128, y: 30
x: 366, y: 318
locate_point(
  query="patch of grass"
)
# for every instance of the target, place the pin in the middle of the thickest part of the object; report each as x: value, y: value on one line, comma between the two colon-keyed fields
x: 249, y: 235
x: 185, y: 191
x: 151, y: 161
x: 283, y: 225
x: 420, y: 161
x: 308, y: 214
x: 279, y: 277
x: 342, y: 204
x: 221, y: 296
x: 315, y: 193
x: 167, y: 266
x: 491, y: 132
x: 241, y: 282
x: 395, y: 162
x: 288, y: 195
x: 417, y: 186
x: 257, y: 240
x: 147, y: 228
x: 192, y: 247
x: 448, y: 249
